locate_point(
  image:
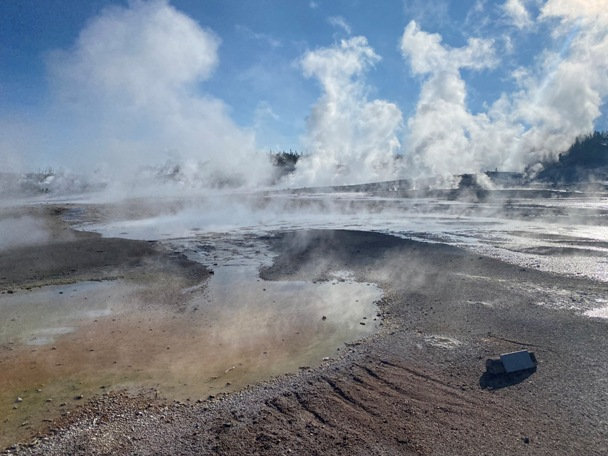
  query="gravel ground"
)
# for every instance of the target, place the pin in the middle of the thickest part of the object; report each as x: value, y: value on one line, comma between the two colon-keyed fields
x: 417, y: 387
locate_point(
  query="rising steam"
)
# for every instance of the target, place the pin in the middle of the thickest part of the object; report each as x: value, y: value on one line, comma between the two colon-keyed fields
x: 129, y: 91
x: 354, y: 139
x: 555, y: 102
x: 130, y: 95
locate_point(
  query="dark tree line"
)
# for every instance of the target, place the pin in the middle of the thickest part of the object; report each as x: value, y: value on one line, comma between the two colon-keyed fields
x: 586, y: 159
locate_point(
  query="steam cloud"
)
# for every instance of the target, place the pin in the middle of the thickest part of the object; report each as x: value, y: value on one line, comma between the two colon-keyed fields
x: 353, y: 139
x: 129, y: 88
x: 443, y: 133
x: 553, y: 104
x: 128, y: 94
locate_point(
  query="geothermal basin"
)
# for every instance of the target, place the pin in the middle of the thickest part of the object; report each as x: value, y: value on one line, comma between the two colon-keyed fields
x: 61, y: 344
x: 184, y: 300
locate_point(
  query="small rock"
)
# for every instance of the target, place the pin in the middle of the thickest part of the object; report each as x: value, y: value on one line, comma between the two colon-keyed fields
x: 323, y: 317
x: 526, y: 440
x: 19, y: 399
x: 79, y: 397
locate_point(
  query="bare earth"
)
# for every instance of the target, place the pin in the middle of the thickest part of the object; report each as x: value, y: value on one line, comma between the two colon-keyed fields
x: 416, y: 387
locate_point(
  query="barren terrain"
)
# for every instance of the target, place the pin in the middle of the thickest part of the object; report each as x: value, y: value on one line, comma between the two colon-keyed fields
x: 417, y: 386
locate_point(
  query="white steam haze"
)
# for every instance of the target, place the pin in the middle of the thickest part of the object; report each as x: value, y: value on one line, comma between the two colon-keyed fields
x: 555, y: 102
x: 130, y: 93
x: 129, y: 83
x: 444, y: 136
x: 353, y: 139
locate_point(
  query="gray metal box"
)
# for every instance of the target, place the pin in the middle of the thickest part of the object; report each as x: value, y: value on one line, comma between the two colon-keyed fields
x: 517, y: 361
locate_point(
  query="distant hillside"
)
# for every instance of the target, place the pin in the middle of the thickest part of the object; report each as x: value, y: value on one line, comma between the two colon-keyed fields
x: 585, y: 160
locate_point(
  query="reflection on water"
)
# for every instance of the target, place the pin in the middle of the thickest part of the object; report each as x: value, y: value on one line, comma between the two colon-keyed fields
x: 37, y: 316
x: 62, y: 342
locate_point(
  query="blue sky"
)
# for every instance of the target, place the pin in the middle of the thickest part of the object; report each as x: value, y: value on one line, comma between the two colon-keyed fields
x: 258, y: 85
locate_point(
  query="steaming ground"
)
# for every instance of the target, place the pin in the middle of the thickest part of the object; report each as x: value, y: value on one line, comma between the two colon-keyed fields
x: 101, y: 314
x: 562, y: 231
x: 460, y: 280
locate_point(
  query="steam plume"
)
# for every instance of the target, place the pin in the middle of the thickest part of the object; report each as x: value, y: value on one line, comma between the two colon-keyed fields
x: 556, y: 101
x: 129, y: 87
x: 352, y: 138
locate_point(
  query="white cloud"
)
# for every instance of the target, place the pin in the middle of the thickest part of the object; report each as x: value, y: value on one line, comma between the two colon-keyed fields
x: 517, y: 12
x: 340, y: 22
x: 262, y: 37
x: 352, y: 139
x: 508, y: 45
x: 132, y: 78
x: 427, y: 54
x: 588, y: 11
